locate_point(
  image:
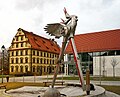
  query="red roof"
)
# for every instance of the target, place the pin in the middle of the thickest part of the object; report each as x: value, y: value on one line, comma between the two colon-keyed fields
x: 97, y: 41
x: 41, y: 43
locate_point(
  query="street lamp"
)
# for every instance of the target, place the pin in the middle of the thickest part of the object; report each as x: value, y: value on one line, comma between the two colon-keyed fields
x: 2, y: 48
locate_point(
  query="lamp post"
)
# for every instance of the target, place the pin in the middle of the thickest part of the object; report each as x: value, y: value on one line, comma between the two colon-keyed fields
x: 2, y: 48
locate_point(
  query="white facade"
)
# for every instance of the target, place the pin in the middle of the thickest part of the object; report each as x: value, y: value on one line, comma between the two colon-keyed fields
x: 66, y: 64
x: 102, y: 65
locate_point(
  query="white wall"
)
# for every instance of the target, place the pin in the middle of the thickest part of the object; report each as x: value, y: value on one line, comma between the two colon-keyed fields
x: 108, y: 66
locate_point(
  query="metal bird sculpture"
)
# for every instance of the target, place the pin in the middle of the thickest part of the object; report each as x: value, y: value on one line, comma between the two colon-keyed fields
x: 66, y: 29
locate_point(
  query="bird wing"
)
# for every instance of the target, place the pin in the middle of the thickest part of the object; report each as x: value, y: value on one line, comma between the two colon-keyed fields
x: 54, y: 29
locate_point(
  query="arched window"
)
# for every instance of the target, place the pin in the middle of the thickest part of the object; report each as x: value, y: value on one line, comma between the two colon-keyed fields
x: 16, y: 68
x: 17, y: 60
x: 21, y: 68
x: 44, y: 69
x: 33, y: 68
x: 26, y: 60
x: 12, y: 68
x: 21, y: 60
x: 26, y: 68
x: 38, y: 68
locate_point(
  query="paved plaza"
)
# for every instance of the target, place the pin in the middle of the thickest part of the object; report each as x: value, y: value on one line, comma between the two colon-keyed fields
x: 35, y: 91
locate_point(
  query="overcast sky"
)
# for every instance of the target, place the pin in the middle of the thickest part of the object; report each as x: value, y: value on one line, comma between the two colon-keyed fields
x: 33, y: 15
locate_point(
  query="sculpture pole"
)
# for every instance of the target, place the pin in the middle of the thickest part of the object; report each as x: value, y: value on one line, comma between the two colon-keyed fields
x: 77, y: 62
x: 67, y: 30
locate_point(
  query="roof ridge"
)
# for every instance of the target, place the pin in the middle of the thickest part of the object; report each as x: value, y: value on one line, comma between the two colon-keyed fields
x: 98, y: 32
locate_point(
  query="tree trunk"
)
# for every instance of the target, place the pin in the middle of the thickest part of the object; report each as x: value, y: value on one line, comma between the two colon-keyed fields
x: 113, y: 71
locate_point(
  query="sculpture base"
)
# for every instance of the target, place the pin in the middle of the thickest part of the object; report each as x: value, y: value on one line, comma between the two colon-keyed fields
x: 51, y: 92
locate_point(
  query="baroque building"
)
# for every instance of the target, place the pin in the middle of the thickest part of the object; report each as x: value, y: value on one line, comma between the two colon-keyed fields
x: 31, y: 53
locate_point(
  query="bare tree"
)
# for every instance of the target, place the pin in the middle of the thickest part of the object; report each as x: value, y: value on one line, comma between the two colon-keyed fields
x: 6, y: 62
x: 114, y: 63
x: 103, y: 63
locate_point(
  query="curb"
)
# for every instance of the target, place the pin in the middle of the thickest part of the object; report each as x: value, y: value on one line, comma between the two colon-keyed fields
x: 99, y: 92
x: 3, y: 94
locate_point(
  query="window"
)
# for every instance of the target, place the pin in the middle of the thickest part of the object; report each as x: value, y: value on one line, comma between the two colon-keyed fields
x: 12, y: 60
x: 16, y: 45
x: 13, y: 53
x: 26, y: 60
x: 47, y: 61
x: 21, y: 68
x: 21, y: 37
x: 41, y: 53
x: 44, y: 69
x: 16, y: 38
x: 41, y: 60
x: 33, y: 52
x: 37, y: 60
x: 55, y: 55
x: 26, y: 52
x: 12, y: 68
x: 33, y: 60
x: 21, y: 53
x: 50, y: 62
x: 50, y: 55
x: 21, y: 60
x: 21, y: 44
x: 53, y: 62
x: 47, y: 54
x: 38, y: 68
x: 44, y: 54
x: 16, y: 53
x: 44, y: 61
x: 26, y: 68
x: 33, y: 68
x: 17, y: 60
x: 16, y: 68
x: 37, y: 53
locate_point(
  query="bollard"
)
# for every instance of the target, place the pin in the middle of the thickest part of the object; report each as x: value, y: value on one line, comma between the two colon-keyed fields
x: 88, y: 82
x: 7, y: 78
